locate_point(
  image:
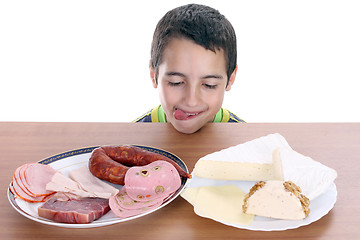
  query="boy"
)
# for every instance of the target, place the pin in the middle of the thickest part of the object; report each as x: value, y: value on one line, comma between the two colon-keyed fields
x: 193, y: 63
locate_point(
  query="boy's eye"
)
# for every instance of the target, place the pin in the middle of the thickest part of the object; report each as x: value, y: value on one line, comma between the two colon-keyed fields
x: 174, y: 84
x: 210, y: 86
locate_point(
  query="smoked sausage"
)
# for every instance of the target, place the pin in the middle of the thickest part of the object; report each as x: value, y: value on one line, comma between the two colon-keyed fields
x: 111, y: 163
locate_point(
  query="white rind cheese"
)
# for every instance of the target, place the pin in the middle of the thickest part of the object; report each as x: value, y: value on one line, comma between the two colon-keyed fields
x: 244, y: 171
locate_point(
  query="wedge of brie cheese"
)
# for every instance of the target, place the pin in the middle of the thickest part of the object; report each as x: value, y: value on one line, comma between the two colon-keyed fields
x: 255, y: 160
x: 219, y: 203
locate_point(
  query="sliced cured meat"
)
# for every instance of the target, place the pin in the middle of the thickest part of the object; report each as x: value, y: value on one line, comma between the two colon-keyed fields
x: 18, y: 180
x: 111, y: 163
x: 81, y: 183
x: 80, y: 211
x: 126, y: 202
x: 92, y: 184
x: 118, y: 205
x: 29, y: 182
x: 36, y: 177
x: 155, y: 180
x: 61, y: 183
x: 18, y: 191
x: 145, y: 189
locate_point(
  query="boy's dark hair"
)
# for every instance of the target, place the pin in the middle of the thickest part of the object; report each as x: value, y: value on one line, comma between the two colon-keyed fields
x: 202, y: 24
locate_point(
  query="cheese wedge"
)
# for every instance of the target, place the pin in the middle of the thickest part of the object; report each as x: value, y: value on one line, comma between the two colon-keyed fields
x: 220, y: 203
x: 240, y: 170
x: 277, y: 199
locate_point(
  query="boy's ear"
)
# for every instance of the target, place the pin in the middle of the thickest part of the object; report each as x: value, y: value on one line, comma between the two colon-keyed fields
x: 231, y: 79
x: 153, y: 76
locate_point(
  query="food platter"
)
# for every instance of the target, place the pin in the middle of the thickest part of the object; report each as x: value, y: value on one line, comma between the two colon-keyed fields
x: 319, y: 207
x: 73, y: 159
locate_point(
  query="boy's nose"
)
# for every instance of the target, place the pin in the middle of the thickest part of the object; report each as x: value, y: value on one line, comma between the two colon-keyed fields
x: 193, y: 97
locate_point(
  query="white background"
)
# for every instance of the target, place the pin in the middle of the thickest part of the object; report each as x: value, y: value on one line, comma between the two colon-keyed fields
x: 68, y: 60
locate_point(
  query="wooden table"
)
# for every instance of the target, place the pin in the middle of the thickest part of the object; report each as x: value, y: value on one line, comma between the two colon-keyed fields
x: 336, y: 145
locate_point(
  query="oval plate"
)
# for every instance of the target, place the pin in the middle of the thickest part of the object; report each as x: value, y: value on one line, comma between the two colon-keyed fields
x: 70, y: 160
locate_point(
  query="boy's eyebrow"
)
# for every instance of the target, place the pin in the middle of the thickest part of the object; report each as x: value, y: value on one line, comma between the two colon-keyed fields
x: 216, y: 76
x: 175, y: 74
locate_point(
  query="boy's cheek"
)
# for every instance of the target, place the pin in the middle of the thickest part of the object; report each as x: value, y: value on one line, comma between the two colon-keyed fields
x: 168, y: 95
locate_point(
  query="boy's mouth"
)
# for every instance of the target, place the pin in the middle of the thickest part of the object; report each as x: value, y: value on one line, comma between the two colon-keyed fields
x: 182, y: 115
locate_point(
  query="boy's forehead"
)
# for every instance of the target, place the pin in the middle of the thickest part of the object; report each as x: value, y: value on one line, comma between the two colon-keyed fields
x: 181, y: 44
x: 177, y: 39
x: 185, y: 55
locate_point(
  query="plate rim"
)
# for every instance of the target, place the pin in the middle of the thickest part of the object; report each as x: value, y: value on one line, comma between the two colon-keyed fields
x: 86, y: 150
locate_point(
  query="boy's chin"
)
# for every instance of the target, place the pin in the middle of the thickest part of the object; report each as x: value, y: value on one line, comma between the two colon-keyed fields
x: 186, y: 129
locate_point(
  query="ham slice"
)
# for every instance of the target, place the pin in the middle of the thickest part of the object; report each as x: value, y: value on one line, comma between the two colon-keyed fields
x: 81, y: 183
x: 63, y: 184
x: 79, y: 211
x: 36, y: 177
x: 29, y: 182
x: 92, y: 184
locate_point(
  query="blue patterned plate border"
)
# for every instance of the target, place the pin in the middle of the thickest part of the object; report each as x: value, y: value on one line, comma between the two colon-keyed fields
x: 105, y: 220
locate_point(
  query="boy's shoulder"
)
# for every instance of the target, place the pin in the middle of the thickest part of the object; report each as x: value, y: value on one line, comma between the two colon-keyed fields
x: 154, y: 115
x: 145, y: 117
x: 230, y: 117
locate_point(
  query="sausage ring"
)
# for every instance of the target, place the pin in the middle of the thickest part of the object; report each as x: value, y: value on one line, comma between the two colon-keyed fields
x: 111, y: 163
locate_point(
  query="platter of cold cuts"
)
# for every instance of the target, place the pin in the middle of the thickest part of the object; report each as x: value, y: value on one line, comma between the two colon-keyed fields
x: 97, y: 186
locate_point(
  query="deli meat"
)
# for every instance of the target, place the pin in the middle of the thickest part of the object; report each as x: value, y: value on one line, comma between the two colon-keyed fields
x: 145, y: 189
x: 29, y: 182
x: 83, y: 210
x: 81, y: 183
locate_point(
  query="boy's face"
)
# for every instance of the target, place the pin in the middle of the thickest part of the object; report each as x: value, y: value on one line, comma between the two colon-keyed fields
x: 192, y: 83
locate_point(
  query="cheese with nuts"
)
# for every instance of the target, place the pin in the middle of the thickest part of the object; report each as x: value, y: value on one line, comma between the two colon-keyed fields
x: 276, y: 199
